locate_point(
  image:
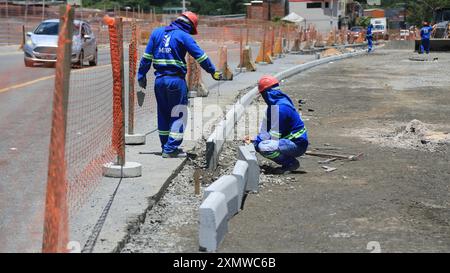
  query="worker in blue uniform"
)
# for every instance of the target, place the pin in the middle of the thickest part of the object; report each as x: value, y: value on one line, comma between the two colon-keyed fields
x: 167, y: 49
x: 425, y: 34
x: 283, y: 136
x: 369, y: 37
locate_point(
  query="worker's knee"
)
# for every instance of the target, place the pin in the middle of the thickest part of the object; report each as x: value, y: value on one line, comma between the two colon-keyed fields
x: 268, y: 146
x: 292, y: 149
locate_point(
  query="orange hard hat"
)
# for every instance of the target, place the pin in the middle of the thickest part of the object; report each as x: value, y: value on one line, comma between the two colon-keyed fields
x: 193, y: 18
x: 266, y: 82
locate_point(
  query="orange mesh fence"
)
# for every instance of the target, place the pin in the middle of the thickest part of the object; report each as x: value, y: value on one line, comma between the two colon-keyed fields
x: 115, y: 31
x: 56, y: 229
x: 90, y: 127
x: 145, y: 103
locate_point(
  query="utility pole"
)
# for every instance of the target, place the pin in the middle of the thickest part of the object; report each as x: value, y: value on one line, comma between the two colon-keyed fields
x: 43, y: 10
x: 184, y: 5
x: 26, y: 12
x: 270, y: 9
x: 404, y: 16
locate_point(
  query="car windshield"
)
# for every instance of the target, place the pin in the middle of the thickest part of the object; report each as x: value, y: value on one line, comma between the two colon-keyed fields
x: 47, y: 28
x: 446, y: 15
x: 52, y: 28
x: 356, y: 29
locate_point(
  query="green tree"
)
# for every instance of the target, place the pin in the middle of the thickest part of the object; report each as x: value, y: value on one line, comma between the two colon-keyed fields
x: 205, y: 7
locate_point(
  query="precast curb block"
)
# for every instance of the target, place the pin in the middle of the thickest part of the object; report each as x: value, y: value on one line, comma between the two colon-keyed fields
x: 223, y: 199
x: 229, y: 187
x: 213, y: 221
x: 240, y: 171
x: 247, y: 153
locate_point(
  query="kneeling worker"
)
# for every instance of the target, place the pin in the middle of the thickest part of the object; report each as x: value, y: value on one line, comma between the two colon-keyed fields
x: 167, y: 50
x: 284, y: 138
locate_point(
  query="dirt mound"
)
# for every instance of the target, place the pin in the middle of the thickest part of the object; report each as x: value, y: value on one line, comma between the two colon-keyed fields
x: 416, y: 135
x: 330, y: 52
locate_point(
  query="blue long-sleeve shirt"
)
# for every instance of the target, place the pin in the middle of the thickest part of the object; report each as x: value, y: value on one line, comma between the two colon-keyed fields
x: 167, y: 49
x: 425, y: 32
x: 282, y: 120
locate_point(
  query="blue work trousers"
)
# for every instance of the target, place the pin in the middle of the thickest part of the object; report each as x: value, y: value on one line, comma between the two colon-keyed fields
x: 283, y: 152
x: 172, y: 100
x: 425, y: 46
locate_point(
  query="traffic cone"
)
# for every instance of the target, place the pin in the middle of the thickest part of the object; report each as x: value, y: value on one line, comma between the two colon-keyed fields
x: 194, y: 79
x: 223, y: 63
x: 247, y: 62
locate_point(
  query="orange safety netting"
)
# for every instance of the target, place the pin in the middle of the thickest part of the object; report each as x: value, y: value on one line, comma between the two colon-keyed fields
x: 56, y: 230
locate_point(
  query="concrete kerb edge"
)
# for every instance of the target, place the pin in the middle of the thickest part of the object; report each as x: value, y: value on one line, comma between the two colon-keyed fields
x: 227, y: 193
x: 213, y: 218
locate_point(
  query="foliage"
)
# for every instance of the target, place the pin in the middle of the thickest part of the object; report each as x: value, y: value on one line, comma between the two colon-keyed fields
x: 363, y: 21
x: 206, y: 7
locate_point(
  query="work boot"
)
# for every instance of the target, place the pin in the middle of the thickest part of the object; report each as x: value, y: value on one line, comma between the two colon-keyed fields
x: 287, y: 169
x: 179, y: 153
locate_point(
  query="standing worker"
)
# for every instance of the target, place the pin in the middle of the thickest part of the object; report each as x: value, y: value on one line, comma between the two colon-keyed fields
x: 369, y: 37
x: 283, y: 136
x: 425, y: 34
x: 167, y: 50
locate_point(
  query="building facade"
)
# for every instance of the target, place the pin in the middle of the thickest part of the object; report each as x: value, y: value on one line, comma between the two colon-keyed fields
x: 268, y: 10
x: 325, y: 14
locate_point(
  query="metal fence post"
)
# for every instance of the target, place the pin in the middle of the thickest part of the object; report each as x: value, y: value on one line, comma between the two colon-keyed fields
x: 56, y: 229
x: 121, y: 154
x: 132, y: 138
x: 132, y: 73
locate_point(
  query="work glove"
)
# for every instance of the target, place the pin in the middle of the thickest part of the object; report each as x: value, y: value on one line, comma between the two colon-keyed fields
x: 218, y: 76
x: 143, y: 82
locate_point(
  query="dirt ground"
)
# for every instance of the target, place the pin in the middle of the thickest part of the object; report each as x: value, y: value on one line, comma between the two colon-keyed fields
x: 397, y: 198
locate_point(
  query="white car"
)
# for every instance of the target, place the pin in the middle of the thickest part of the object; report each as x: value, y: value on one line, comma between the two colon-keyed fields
x: 41, y: 44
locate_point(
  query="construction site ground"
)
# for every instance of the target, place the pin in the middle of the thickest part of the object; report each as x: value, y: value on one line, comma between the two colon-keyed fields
x: 394, y: 199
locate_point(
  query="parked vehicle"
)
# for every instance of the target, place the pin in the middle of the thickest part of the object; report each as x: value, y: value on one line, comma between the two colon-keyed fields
x: 41, y: 44
x: 380, y: 30
x: 355, y: 32
x: 442, y: 27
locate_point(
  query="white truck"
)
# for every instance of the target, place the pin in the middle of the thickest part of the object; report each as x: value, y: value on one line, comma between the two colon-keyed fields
x: 380, y: 28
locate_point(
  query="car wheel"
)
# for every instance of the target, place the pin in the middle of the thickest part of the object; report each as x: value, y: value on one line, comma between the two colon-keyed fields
x: 28, y: 63
x: 80, y: 62
x: 95, y: 60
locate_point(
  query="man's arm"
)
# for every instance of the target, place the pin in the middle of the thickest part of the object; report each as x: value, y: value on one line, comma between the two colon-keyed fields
x: 198, y: 54
x: 146, y: 63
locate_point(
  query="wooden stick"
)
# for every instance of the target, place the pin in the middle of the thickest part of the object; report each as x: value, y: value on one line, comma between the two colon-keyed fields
x: 197, y: 182
x: 348, y: 157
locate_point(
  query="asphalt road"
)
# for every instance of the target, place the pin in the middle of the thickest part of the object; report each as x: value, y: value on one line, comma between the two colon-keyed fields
x: 396, y: 199
x: 25, y: 122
